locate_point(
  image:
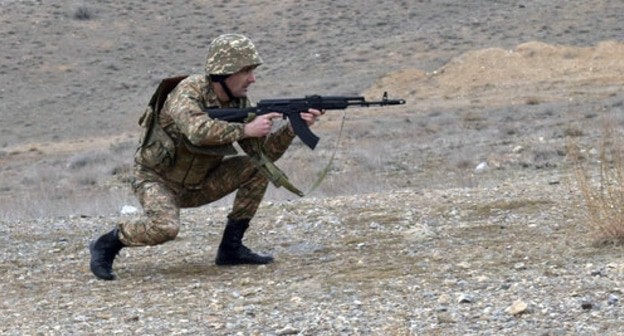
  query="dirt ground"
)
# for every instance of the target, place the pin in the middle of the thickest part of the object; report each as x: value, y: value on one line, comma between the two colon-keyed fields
x: 455, y: 214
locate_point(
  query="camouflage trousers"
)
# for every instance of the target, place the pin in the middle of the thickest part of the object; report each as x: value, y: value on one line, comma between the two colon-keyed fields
x: 162, y: 200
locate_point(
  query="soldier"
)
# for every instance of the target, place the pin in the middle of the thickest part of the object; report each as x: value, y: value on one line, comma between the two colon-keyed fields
x: 184, y: 158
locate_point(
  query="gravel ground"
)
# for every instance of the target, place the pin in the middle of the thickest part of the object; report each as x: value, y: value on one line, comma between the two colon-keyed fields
x: 467, y: 261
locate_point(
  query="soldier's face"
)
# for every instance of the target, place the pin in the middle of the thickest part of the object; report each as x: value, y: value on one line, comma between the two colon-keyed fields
x: 239, y: 82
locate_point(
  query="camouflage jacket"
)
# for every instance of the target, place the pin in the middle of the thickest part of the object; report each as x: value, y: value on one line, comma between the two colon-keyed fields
x: 197, y: 143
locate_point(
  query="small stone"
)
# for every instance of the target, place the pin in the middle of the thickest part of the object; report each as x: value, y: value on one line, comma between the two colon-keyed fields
x: 465, y: 298
x: 288, y: 330
x: 517, y: 308
x: 129, y: 210
x: 517, y: 149
x: 444, y: 299
x: 481, y: 167
x: 613, y: 299
x: 445, y: 317
x: 464, y: 265
x: 587, y: 305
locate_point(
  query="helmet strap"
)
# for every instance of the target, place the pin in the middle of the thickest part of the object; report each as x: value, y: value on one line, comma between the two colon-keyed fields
x: 221, y: 80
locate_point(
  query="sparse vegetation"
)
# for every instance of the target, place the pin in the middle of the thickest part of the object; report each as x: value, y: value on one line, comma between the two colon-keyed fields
x: 602, y: 187
x: 86, y: 183
x: 83, y: 13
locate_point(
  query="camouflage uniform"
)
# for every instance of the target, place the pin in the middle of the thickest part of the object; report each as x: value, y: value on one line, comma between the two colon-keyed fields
x: 186, y: 159
x: 198, y: 172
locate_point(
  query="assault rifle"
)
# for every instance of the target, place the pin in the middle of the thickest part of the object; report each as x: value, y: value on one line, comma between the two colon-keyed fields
x: 290, y: 108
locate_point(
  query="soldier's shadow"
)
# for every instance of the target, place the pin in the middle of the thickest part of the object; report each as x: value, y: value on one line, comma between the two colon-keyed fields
x: 182, y: 269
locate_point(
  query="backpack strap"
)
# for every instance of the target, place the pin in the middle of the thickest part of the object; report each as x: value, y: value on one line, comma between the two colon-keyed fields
x: 150, y: 116
x: 164, y: 88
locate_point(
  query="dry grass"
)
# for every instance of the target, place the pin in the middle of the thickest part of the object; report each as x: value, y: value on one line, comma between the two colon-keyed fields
x: 88, y: 183
x: 602, y: 187
x: 529, y: 205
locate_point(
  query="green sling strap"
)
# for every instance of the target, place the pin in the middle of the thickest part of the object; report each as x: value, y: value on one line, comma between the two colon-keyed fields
x: 271, y: 171
x: 278, y: 177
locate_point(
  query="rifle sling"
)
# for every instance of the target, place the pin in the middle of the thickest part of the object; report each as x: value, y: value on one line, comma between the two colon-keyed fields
x: 279, y: 178
x: 272, y: 172
x: 323, y: 173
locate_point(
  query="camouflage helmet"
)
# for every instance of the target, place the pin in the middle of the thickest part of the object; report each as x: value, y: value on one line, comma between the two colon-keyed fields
x: 230, y: 53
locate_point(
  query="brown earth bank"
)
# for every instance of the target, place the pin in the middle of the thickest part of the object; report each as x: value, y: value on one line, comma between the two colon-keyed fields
x: 455, y: 214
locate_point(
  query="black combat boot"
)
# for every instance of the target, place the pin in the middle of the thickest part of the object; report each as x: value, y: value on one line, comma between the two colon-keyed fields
x: 232, y: 251
x: 103, y: 252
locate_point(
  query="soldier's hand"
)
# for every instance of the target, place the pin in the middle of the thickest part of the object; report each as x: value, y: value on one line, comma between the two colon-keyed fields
x: 311, y: 116
x: 261, y: 125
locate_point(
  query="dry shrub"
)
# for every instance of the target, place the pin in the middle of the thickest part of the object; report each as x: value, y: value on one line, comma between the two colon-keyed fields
x: 83, y: 13
x: 602, y: 190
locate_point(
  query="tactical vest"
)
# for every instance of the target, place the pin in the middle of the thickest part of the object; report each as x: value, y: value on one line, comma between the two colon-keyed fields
x: 173, y: 156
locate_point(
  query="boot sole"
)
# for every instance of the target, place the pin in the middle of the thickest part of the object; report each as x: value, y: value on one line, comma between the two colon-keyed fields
x: 241, y: 262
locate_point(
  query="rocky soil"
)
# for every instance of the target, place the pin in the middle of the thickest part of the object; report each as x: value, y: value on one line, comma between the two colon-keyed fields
x: 456, y: 214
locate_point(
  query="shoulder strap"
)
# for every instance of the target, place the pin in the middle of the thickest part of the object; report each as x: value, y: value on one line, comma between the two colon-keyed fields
x: 155, y: 105
x: 164, y: 88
